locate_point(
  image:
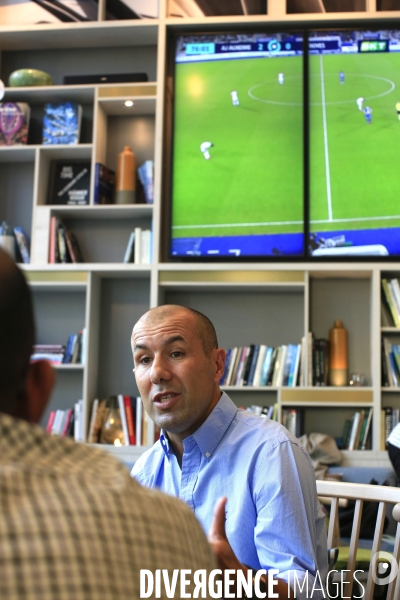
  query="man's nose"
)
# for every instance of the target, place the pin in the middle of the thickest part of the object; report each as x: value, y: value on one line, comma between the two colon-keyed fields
x: 159, y: 370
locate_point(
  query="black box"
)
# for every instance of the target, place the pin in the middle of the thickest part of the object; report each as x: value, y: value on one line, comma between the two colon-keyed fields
x: 114, y: 78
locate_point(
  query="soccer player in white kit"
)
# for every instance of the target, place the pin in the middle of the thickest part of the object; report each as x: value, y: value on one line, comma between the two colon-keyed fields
x: 235, y: 99
x: 360, y: 102
x: 281, y: 78
x: 204, y: 147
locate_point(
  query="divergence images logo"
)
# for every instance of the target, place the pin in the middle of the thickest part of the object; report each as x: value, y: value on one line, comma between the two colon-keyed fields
x: 274, y: 46
x: 384, y: 568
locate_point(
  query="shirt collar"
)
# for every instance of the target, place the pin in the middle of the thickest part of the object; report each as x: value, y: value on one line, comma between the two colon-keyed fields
x: 210, y: 433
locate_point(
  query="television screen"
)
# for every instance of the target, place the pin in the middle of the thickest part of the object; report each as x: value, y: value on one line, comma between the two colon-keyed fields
x: 237, y: 163
x: 354, y: 90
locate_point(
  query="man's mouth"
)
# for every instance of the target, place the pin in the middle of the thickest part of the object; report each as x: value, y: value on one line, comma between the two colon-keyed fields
x: 164, y: 400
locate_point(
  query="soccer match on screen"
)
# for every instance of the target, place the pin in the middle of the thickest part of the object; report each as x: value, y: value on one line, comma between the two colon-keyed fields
x: 354, y: 142
x: 237, y: 174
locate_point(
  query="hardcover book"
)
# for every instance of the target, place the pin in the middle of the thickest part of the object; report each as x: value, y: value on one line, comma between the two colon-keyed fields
x: 61, y: 123
x: 14, y: 123
x: 104, y: 183
x: 69, y: 182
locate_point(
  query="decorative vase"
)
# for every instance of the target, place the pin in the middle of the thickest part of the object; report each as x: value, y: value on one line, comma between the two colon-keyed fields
x: 338, y: 355
x: 29, y: 77
x: 126, y: 177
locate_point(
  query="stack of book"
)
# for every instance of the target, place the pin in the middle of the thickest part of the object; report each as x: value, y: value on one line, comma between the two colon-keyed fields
x: 133, y: 418
x: 54, y: 353
x: 138, y: 249
x: 391, y: 296
x: 259, y: 365
x: 357, y: 431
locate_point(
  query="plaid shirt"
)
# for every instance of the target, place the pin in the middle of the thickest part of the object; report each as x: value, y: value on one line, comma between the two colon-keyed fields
x: 74, y: 525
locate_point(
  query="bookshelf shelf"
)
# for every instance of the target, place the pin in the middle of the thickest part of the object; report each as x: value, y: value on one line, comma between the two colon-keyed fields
x: 261, y: 303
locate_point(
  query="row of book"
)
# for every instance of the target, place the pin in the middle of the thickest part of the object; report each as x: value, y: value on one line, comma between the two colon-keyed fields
x: 129, y: 425
x: 61, y: 422
x: 138, y: 249
x: 259, y: 365
x: 391, y: 295
x: 73, y: 352
x: 291, y: 417
x: 389, y: 419
x: 357, y: 431
x: 390, y: 363
x: 63, y: 245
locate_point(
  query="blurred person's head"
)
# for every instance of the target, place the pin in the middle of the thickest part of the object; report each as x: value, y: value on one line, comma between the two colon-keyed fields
x: 24, y: 387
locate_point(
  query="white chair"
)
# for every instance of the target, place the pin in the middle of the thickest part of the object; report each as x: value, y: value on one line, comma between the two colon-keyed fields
x: 339, y: 491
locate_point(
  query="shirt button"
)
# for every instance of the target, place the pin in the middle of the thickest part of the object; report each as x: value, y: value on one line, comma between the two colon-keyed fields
x: 208, y: 454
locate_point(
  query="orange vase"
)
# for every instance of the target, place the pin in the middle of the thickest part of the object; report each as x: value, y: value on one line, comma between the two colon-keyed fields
x: 125, y: 190
x: 338, y: 355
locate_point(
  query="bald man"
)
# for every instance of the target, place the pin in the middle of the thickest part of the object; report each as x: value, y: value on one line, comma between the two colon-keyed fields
x: 73, y: 523
x: 249, y: 482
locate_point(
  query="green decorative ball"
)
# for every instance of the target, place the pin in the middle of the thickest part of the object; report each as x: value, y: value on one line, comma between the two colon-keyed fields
x: 28, y: 77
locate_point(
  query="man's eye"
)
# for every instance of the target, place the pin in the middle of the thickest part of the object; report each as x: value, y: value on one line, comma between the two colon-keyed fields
x: 176, y: 354
x: 144, y: 360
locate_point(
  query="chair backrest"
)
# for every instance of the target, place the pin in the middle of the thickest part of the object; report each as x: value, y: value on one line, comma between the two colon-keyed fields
x: 361, y: 492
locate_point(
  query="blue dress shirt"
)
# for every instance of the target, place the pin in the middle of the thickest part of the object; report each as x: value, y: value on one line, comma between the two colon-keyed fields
x: 273, y: 517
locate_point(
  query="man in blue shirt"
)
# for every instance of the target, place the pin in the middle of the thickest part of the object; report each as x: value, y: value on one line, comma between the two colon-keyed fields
x: 368, y: 114
x: 211, y: 454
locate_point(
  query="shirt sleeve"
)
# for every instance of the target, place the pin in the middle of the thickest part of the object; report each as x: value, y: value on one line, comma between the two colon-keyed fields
x: 290, y: 531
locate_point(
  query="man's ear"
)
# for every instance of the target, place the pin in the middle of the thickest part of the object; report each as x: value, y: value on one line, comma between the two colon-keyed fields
x: 220, y: 356
x: 39, y: 385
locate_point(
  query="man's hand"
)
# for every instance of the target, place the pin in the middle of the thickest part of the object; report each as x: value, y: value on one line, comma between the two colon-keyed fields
x: 219, y: 542
x: 226, y: 557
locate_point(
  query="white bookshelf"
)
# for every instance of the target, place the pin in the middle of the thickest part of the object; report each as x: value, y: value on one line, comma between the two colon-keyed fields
x: 249, y: 303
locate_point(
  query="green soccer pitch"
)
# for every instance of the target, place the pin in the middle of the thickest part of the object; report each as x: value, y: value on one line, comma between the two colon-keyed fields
x: 253, y: 183
x: 354, y: 166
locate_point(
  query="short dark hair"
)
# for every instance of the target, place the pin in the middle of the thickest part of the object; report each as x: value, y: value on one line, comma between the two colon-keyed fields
x: 17, y: 332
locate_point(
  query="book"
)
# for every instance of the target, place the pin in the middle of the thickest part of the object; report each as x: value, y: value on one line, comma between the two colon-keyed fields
x: 129, y: 252
x: 367, y: 430
x: 130, y: 404
x: 232, y: 359
x: 145, y: 252
x: 63, y: 253
x: 388, y: 420
x: 253, y: 364
x: 69, y: 182
x: 53, y: 241
x: 93, y: 415
x: 138, y: 246
x: 124, y: 422
x: 14, y: 123
x: 294, y: 371
x: 354, y: 430
x: 139, y: 419
x: 50, y: 421
x: 259, y: 365
x: 73, y: 247
x: 235, y: 364
x: 395, y: 289
x: 61, y: 123
x: 146, y: 175
x: 247, y: 365
x: 265, y: 369
x: 23, y: 244
x: 98, y: 418
x: 104, y: 184
x: 388, y: 295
